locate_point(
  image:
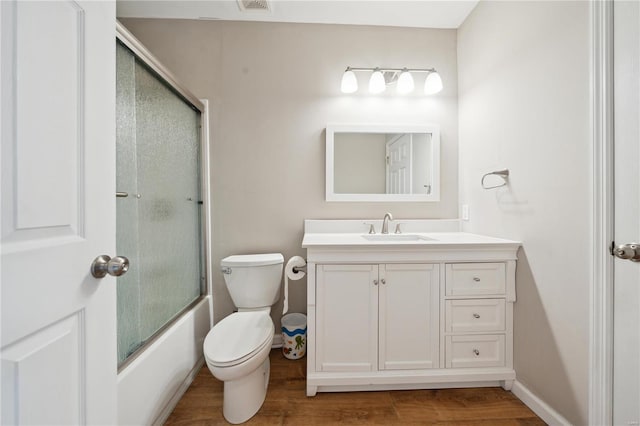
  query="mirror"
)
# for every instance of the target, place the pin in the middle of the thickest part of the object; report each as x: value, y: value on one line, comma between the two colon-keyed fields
x: 383, y: 162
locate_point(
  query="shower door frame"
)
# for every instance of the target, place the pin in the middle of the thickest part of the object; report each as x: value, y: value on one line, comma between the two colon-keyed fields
x: 141, y: 52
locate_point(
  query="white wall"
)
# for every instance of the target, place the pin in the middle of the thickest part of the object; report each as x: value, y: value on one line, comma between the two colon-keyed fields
x: 272, y: 89
x: 524, y: 105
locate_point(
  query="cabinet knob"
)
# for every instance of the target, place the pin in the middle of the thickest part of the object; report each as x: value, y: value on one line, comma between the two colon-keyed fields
x: 383, y: 281
x: 476, y: 352
x: 476, y: 279
x: 476, y: 316
x: 375, y: 282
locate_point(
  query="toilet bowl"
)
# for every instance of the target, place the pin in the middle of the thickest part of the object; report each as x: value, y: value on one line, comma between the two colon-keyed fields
x: 236, y: 351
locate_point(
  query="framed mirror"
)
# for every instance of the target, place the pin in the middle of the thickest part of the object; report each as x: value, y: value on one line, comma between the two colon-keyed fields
x: 377, y: 162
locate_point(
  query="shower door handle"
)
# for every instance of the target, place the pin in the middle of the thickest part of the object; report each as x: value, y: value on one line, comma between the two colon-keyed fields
x: 103, y: 265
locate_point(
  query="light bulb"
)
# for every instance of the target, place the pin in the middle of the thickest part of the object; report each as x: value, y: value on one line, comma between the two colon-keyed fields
x: 433, y: 83
x: 405, y: 82
x: 349, y: 82
x: 376, y: 82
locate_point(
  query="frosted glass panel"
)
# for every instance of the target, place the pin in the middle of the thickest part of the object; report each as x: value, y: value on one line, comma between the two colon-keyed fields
x: 158, y: 163
x: 127, y: 208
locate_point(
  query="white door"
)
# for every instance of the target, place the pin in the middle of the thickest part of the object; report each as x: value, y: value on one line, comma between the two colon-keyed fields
x: 399, y: 174
x: 58, y: 344
x: 626, y: 381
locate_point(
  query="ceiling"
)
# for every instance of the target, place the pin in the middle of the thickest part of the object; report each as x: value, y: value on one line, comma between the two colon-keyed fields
x: 397, y: 13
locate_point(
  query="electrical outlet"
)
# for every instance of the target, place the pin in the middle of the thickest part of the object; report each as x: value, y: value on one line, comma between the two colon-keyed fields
x: 465, y: 212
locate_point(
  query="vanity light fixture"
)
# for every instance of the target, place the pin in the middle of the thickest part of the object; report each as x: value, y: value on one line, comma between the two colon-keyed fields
x: 382, y: 77
x: 405, y: 82
x: 349, y: 82
x: 433, y: 83
x: 377, y: 83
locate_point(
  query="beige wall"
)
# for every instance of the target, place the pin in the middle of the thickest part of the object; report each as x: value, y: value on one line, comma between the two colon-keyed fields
x: 524, y: 105
x: 272, y: 89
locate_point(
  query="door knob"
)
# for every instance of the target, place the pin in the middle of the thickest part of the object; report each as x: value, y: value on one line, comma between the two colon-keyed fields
x: 629, y: 251
x: 103, y: 265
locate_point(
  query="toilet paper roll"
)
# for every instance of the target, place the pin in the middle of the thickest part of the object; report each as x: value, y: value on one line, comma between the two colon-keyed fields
x: 290, y: 274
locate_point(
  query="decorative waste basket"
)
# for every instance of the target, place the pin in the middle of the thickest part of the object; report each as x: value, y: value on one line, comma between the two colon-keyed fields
x: 294, y: 335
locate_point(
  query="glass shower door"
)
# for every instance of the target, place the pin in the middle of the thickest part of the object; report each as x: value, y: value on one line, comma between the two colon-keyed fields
x: 158, y: 203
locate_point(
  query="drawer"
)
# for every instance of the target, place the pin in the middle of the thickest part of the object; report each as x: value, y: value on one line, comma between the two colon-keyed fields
x: 475, y: 279
x: 475, y: 351
x: 474, y: 315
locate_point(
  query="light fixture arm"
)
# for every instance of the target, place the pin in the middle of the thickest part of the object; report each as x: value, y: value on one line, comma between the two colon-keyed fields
x: 391, y: 69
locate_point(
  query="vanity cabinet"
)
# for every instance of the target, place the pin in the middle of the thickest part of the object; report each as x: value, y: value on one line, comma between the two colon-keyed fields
x: 420, y: 315
x: 376, y: 317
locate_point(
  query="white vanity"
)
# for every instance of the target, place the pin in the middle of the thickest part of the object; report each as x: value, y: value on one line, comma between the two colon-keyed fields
x: 428, y: 308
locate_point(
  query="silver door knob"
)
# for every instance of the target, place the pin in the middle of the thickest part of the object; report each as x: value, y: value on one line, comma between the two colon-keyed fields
x: 103, y: 265
x: 629, y: 251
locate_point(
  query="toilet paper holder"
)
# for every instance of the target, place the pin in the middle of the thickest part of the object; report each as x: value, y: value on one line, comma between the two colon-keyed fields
x: 297, y: 269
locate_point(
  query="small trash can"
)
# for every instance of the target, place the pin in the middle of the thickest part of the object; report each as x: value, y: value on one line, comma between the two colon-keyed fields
x: 294, y: 335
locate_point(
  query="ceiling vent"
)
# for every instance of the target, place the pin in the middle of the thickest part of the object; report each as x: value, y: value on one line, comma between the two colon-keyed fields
x: 254, y: 5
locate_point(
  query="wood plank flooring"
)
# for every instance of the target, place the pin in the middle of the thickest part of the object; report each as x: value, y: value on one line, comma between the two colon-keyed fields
x: 287, y: 404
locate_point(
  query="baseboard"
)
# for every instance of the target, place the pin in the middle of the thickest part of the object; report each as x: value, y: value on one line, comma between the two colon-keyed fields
x: 168, y: 409
x: 538, y: 406
x: 277, y: 341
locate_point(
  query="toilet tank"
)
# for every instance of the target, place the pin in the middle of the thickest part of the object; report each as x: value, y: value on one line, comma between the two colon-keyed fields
x: 253, y: 280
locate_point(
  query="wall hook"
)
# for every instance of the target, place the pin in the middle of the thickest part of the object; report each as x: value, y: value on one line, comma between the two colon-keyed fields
x: 504, y: 174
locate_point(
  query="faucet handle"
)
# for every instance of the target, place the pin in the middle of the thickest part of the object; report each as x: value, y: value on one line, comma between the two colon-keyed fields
x: 398, y: 230
x: 372, y: 228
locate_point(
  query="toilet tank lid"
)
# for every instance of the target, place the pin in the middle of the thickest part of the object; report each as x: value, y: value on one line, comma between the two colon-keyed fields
x: 253, y: 259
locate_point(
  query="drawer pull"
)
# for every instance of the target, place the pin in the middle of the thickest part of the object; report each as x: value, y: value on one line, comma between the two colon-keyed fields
x: 476, y: 352
x: 476, y: 316
x: 476, y: 279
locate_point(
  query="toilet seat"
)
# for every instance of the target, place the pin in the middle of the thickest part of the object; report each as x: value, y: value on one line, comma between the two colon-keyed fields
x: 237, y: 338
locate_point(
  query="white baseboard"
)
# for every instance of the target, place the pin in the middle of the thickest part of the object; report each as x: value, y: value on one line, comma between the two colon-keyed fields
x: 277, y: 341
x: 538, y: 406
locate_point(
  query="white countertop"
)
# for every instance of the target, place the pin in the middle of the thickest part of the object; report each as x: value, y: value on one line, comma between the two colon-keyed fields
x: 433, y: 240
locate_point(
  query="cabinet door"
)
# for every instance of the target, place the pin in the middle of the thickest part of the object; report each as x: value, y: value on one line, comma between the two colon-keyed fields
x: 346, y: 317
x: 409, y: 306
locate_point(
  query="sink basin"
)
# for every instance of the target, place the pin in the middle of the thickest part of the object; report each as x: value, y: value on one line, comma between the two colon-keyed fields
x: 396, y: 237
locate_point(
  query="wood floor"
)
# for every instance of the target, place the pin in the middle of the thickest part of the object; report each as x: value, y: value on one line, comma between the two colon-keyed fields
x: 287, y: 404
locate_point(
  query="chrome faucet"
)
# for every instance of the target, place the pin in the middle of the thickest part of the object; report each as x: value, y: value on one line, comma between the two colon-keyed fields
x: 385, y: 223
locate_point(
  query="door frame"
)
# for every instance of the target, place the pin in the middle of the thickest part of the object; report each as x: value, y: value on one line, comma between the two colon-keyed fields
x: 601, y: 286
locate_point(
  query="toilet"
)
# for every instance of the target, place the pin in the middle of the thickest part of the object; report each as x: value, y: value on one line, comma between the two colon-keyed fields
x: 237, y: 348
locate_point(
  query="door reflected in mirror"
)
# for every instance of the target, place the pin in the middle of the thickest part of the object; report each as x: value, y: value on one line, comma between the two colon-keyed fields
x: 383, y: 163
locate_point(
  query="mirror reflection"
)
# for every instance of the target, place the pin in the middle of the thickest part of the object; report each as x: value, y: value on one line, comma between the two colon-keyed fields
x: 382, y: 163
x: 373, y: 163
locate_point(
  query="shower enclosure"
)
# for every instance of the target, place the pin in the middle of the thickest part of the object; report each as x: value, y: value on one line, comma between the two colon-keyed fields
x: 159, y: 203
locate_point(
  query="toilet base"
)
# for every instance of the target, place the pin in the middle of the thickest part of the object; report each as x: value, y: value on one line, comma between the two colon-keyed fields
x: 243, y: 398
